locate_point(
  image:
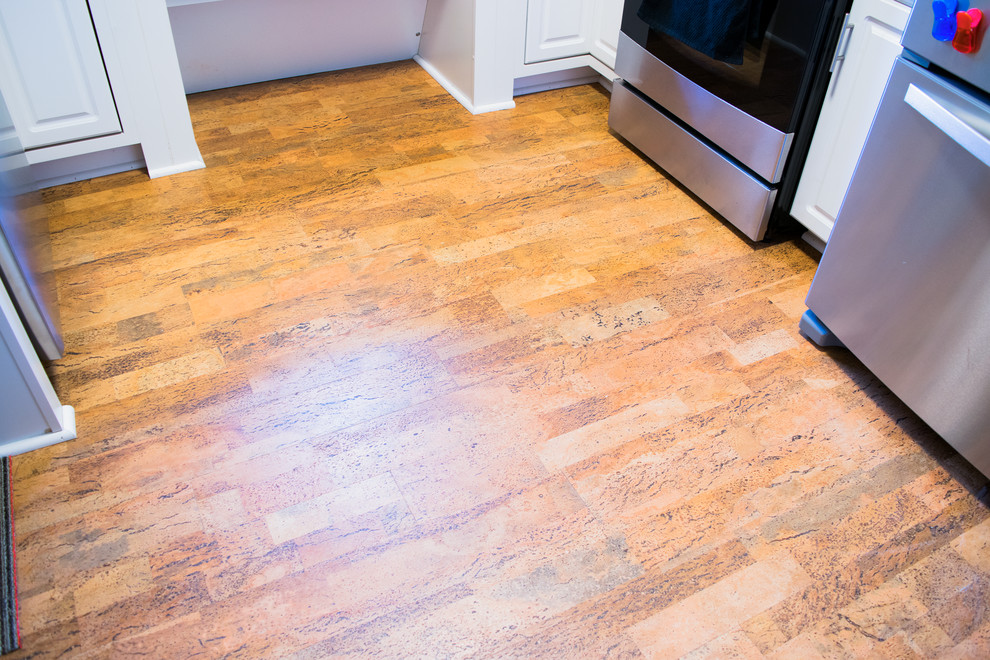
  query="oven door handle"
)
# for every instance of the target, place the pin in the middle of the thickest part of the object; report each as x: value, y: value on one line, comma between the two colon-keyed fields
x: 962, y: 132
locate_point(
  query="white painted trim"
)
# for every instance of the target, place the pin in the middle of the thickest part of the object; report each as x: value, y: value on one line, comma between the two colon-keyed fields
x: 459, y: 95
x: 62, y: 178
x: 177, y: 168
x: 27, y: 363
x: 816, y: 221
x: 498, y: 35
x: 568, y: 72
x: 151, y: 74
x: 603, y: 69
x: 113, y: 58
x: 181, y: 3
x: 27, y: 381
x: 68, y: 432
x: 494, y: 107
x: 445, y: 82
x: 555, y: 80
x: 814, y: 240
x: 87, y: 166
x: 80, y: 148
x: 550, y: 66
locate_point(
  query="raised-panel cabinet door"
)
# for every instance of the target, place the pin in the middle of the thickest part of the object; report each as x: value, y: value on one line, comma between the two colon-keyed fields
x: 559, y: 28
x: 608, y: 20
x: 52, y: 72
x: 869, y: 49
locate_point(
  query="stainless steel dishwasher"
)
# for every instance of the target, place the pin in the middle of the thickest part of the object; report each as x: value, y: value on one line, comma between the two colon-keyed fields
x: 904, y: 282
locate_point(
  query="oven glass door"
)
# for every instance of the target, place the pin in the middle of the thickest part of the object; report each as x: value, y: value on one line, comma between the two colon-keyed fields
x: 772, y: 80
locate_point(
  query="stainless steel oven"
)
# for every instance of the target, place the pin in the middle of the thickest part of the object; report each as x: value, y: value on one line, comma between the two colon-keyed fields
x: 726, y: 103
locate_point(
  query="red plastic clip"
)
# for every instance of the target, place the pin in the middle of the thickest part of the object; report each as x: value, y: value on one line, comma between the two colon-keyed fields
x: 967, y: 23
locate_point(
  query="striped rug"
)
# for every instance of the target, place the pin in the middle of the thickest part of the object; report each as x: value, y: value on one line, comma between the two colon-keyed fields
x: 9, y: 638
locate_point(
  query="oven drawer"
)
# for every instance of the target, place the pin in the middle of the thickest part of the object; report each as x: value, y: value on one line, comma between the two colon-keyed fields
x: 757, y: 145
x: 731, y: 191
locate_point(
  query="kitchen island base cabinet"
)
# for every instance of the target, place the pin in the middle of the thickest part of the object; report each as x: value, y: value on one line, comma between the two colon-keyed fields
x: 94, y: 87
x: 866, y: 55
x: 52, y: 73
x: 485, y: 52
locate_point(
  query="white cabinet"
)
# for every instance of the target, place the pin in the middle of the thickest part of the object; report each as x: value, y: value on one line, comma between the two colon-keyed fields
x: 52, y: 72
x: 485, y: 52
x: 94, y: 88
x: 566, y: 42
x: 870, y: 46
x: 558, y: 29
x: 605, y: 35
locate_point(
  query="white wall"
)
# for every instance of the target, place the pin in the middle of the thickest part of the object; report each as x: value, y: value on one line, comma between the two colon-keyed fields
x: 223, y: 43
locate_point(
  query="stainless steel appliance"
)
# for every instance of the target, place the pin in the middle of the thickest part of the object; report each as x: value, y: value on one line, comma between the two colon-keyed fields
x: 731, y: 124
x: 904, y: 282
x: 25, y: 244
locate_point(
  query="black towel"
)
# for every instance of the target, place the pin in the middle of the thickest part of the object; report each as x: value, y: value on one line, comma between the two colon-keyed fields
x: 717, y: 28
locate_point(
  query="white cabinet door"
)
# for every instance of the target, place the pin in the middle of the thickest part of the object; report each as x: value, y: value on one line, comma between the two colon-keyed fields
x: 852, y: 100
x: 52, y: 72
x: 559, y: 28
x: 608, y: 20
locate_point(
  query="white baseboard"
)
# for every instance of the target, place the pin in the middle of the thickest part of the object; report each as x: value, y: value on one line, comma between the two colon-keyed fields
x: 88, y: 166
x: 813, y: 240
x: 556, y: 80
x: 458, y: 94
x: 101, y: 163
x: 68, y: 432
x: 492, y: 107
x: 178, y: 168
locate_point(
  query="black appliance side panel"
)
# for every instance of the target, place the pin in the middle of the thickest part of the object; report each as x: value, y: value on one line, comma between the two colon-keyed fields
x: 632, y: 24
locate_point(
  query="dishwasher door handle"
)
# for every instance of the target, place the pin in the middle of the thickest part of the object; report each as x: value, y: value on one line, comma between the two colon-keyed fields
x: 954, y: 126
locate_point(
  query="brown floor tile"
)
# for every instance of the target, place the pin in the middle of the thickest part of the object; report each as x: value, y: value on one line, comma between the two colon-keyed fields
x: 390, y: 380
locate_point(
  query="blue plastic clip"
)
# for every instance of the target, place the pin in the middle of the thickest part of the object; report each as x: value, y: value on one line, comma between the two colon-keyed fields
x: 945, y: 19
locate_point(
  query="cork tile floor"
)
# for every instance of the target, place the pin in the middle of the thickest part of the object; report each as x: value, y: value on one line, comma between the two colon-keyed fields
x: 389, y: 380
